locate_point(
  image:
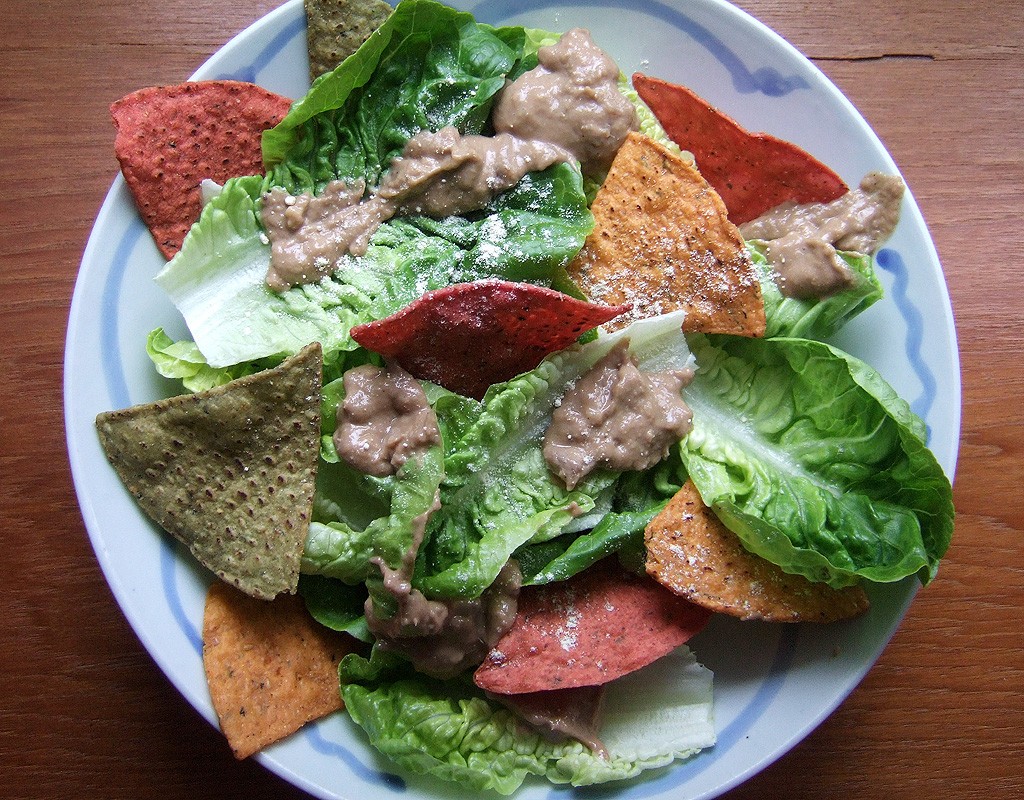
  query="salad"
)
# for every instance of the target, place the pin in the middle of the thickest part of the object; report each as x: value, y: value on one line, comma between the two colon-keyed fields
x: 821, y: 470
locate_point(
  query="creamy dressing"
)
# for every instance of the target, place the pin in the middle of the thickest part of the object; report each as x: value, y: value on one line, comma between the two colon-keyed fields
x: 561, y: 714
x: 384, y: 420
x: 569, y: 108
x: 444, y: 637
x: 571, y: 100
x: 802, y: 241
x: 309, y: 234
x: 617, y: 417
x: 443, y: 174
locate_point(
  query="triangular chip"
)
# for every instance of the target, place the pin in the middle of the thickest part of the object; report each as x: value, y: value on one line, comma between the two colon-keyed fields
x: 229, y: 471
x: 753, y: 172
x: 691, y: 552
x: 600, y: 624
x: 170, y: 138
x: 468, y: 336
x: 336, y: 28
x: 270, y: 667
x: 662, y: 242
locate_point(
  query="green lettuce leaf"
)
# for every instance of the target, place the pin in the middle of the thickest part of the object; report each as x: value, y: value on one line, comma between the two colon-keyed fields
x: 615, y: 529
x: 636, y: 499
x: 536, y: 38
x: 455, y: 413
x: 343, y: 551
x: 814, y: 461
x: 336, y: 605
x: 451, y: 731
x: 182, y: 360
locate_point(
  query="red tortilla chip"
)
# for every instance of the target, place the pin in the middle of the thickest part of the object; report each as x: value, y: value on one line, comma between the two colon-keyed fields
x: 468, y: 336
x: 753, y: 172
x: 599, y: 625
x: 169, y: 138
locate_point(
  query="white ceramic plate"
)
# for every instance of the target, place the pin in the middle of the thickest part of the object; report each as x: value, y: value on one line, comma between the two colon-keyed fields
x: 773, y: 684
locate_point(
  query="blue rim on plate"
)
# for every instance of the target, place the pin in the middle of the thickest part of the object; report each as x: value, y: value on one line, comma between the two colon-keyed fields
x: 789, y: 678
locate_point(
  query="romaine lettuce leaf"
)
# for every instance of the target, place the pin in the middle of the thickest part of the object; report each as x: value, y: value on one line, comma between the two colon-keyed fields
x: 183, y: 361
x: 606, y: 538
x: 336, y: 605
x: 451, y: 731
x: 635, y: 500
x: 498, y: 493
x: 217, y: 281
x: 814, y: 461
x: 340, y: 550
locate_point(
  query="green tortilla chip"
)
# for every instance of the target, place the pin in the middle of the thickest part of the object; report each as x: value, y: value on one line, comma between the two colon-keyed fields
x: 229, y: 471
x: 336, y: 29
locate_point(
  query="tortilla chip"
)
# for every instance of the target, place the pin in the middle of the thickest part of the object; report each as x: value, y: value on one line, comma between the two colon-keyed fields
x: 692, y: 553
x: 753, y: 172
x: 270, y: 667
x: 169, y: 138
x: 336, y: 28
x: 662, y: 241
x: 229, y: 471
x: 468, y: 336
x: 601, y: 624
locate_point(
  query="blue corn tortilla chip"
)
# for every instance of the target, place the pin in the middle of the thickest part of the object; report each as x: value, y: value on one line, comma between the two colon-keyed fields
x: 336, y: 28
x: 229, y: 472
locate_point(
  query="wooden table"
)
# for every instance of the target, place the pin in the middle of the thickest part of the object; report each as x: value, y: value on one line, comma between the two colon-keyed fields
x: 85, y: 713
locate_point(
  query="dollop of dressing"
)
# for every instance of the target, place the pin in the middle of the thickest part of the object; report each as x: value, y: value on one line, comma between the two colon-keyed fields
x: 802, y: 241
x: 561, y: 714
x: 308, y: 234
x: 617, y: 417
x: 571, y: 100
x: 384, y: 420
x: 445, y: 173
x: 567, y: 108
x: 444, y: 637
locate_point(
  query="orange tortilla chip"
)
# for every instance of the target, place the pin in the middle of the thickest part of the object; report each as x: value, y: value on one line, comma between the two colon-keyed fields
x: 270, y: 667
x: 662, y: 241
x: 169, y: 138
x: 692, y: 553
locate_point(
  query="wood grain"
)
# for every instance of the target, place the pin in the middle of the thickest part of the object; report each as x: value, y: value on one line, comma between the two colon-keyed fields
x: 85, y: 712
